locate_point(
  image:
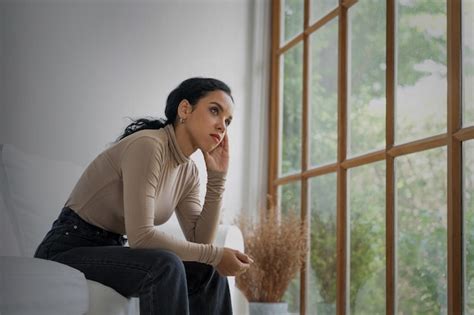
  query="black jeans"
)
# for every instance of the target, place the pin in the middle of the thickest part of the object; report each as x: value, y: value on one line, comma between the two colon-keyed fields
x: 163, y: 283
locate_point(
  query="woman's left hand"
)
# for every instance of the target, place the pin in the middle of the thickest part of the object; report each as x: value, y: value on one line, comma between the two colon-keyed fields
x: 218, y: 158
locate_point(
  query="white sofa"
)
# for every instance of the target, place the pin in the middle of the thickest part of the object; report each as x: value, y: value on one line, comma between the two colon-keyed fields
x: 32, y: 193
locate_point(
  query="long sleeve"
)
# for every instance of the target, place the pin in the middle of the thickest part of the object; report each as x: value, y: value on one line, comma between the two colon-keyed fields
x: 199, y: 223
x: 141, y: 170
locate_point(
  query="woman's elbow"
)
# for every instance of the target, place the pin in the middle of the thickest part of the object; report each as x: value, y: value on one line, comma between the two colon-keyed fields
x: 134, y: 243
x: 139, y: 241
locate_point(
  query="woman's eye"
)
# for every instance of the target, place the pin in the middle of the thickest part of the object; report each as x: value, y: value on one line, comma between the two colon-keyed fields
x: 227, y: 122
x: 214, y: 110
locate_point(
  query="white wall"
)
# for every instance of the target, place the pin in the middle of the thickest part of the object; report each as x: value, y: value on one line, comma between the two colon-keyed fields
x: 76, y: 69
x: 2, y: 111
x: 256, y: 136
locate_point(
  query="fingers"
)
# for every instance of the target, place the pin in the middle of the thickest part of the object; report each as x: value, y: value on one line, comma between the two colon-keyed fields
x: 234, y: 271
x: 242, y: 270
x: 220, y: 146
x: 225, y: 142
x: 243, y: 267
x: 233, y: 263
x: 241, y: 263
x: 244, y: 258
x: 244, y: 262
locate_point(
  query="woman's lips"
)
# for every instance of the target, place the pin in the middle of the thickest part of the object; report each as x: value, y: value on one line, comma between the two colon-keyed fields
x: 216, y: 138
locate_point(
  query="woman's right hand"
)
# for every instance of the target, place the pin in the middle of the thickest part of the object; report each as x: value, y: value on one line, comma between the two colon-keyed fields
x: 233, y: 263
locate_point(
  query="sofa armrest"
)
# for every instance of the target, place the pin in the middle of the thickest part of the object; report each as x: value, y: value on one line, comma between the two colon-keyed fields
x: 229, y: 236
x: 38, y: 286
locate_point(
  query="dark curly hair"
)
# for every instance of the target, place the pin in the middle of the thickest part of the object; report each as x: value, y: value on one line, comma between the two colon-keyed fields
x: 192, y: 89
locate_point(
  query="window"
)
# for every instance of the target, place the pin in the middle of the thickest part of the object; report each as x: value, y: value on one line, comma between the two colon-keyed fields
x: 371, y: 139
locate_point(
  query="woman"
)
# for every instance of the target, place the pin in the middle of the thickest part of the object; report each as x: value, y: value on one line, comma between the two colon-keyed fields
x: 134, y: 186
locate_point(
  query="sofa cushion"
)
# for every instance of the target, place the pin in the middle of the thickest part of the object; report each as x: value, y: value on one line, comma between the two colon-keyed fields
x: 9, y: 245
x: 37, y: 190
x: 116, y: 303
x: 38, y: 286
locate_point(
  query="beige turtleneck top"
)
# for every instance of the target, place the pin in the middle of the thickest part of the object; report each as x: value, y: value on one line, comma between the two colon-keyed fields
x: 135, y: 185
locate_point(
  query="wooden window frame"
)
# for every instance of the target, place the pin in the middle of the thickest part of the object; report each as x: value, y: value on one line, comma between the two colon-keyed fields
x: 452, y: 140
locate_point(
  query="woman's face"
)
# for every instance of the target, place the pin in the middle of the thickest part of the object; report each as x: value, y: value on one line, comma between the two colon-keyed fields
x: 207, y: 121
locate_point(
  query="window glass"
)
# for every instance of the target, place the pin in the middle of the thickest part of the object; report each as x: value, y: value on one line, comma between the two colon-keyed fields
x: 323, y: 122
x: 468, y: 204
x: 290, y: 111
x: 290, y: 200
x: 319, y: 8
x: 421, y: 240
x: 468, y: 62
x: 421, y: 85
x: 292, y: 17
x: 367, y: 64
x: 366, y: 239
x: 323, y: 254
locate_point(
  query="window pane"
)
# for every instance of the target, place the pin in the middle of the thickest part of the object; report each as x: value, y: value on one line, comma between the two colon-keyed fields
x: 290, y: 200
x: 322, y: 269
x: 367, y: 76
x: 468, y: 61
x: 290, y: 112
x: 289, y: 197
x: 468, y: 202
x: 292, y: 19
x: 323, y: 122
x: 320, y: 8
x: 367, y: 239
x: 421, y: 232
x: 292, y: 295
x: 421, y: 91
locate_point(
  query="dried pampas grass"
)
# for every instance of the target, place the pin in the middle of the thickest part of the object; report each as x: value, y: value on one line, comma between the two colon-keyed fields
x: 278, y: 246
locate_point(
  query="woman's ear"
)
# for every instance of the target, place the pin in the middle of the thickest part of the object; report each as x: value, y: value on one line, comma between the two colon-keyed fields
x: 184, y: 109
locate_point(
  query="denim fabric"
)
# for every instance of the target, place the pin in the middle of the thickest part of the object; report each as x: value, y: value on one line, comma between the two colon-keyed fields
x: 163, y: 283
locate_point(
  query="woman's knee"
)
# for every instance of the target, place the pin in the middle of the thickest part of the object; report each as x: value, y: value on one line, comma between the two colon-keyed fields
x: 167, y: 262
x: 199, y: 275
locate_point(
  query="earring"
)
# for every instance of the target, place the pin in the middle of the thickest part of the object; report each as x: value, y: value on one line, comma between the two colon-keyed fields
x: 181, y: 120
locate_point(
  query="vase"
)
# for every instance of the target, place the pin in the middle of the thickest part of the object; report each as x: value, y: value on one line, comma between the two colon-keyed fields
x: 262, y: 308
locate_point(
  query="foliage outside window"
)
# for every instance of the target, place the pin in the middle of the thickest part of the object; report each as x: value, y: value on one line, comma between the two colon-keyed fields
x: 420, y: 185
